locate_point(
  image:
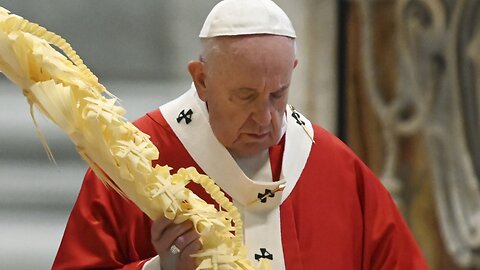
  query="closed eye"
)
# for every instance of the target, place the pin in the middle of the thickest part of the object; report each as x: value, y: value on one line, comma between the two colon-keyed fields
x: 280, y: 93
x: 245, y: 93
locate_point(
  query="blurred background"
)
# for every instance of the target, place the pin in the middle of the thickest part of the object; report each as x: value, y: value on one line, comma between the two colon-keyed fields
x: 397, y: 80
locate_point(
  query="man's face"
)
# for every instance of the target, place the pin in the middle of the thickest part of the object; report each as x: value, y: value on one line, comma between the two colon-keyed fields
x: 245, y: 86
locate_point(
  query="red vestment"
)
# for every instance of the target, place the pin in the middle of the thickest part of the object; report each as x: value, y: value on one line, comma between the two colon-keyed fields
x: 338, y: 216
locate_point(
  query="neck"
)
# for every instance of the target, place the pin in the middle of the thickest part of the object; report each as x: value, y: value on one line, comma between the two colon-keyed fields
x: 252, y: 165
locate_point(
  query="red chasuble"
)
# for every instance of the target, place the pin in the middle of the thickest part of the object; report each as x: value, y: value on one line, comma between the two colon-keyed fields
x: 338, y: 216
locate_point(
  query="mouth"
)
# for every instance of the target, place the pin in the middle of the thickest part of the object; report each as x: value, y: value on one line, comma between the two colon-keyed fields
x: 258, y: 136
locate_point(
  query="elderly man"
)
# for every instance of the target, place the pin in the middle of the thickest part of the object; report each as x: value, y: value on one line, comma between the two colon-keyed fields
x: 320, y: 206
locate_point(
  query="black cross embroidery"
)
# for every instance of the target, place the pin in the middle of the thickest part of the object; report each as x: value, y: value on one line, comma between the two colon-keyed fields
x: 265, y: 255
x: 187, y: 116
x: 263, y: 197
x: 297, y: 117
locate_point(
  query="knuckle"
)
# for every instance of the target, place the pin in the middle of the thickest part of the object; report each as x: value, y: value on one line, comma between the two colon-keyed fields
x: 181, y: 241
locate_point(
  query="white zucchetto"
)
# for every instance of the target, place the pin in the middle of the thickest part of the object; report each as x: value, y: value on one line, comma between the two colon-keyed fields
x: 247, y: 17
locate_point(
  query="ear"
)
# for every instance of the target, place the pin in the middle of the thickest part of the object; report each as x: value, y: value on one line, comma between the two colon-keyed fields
x: 197, y: 72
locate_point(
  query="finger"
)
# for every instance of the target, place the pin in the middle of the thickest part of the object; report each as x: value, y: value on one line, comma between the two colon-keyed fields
x: 192, y: 248
x: 174, y: 231
x: 158, y: 227
x: 186, y: 236
x: 185, y: 239
x: 170, y: 234
x: 187, y: 261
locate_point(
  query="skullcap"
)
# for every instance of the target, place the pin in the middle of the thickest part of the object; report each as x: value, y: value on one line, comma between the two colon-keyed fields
x: 246, y: 17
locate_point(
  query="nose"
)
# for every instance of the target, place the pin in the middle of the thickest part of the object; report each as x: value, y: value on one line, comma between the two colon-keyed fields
x: 262, y: 113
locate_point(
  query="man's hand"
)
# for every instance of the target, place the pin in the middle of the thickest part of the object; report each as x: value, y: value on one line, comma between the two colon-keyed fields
x: 165, y: 234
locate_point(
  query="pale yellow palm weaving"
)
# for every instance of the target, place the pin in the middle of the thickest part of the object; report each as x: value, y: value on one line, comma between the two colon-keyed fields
x: 67, y: 93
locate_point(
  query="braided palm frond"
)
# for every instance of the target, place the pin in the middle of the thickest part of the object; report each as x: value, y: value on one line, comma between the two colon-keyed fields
x: 69, y: 94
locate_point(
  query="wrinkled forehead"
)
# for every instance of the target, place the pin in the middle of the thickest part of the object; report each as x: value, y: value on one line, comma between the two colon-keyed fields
x: 247, y: 43
x: 252, y: 54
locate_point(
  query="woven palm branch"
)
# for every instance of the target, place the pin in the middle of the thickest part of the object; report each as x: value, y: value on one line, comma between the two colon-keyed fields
x: 63, y: 89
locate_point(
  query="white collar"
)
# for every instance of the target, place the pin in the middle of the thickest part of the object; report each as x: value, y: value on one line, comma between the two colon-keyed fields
x: 216, y: 161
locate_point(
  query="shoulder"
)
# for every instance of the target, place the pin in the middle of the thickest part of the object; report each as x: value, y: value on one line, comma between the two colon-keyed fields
x: 151, y: 120
x: 333, y: 159
x: 172, y: 151
x: 327, y: 144
x: 154, y: 125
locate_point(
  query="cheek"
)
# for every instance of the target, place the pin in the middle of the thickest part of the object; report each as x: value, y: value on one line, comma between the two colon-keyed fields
x: 277, y: 118
x: 278, y: 113
x: 226, y: 121
x: 238, y: 119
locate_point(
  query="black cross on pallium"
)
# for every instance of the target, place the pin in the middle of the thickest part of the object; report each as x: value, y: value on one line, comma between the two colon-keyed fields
x: 263, y: 196
x: 265, y: 255
x: 297, y: 117
x: 187, y: 116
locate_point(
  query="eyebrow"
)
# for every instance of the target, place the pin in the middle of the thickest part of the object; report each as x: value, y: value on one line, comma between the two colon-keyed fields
x: 285, y: 87
x: 247, y: 89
